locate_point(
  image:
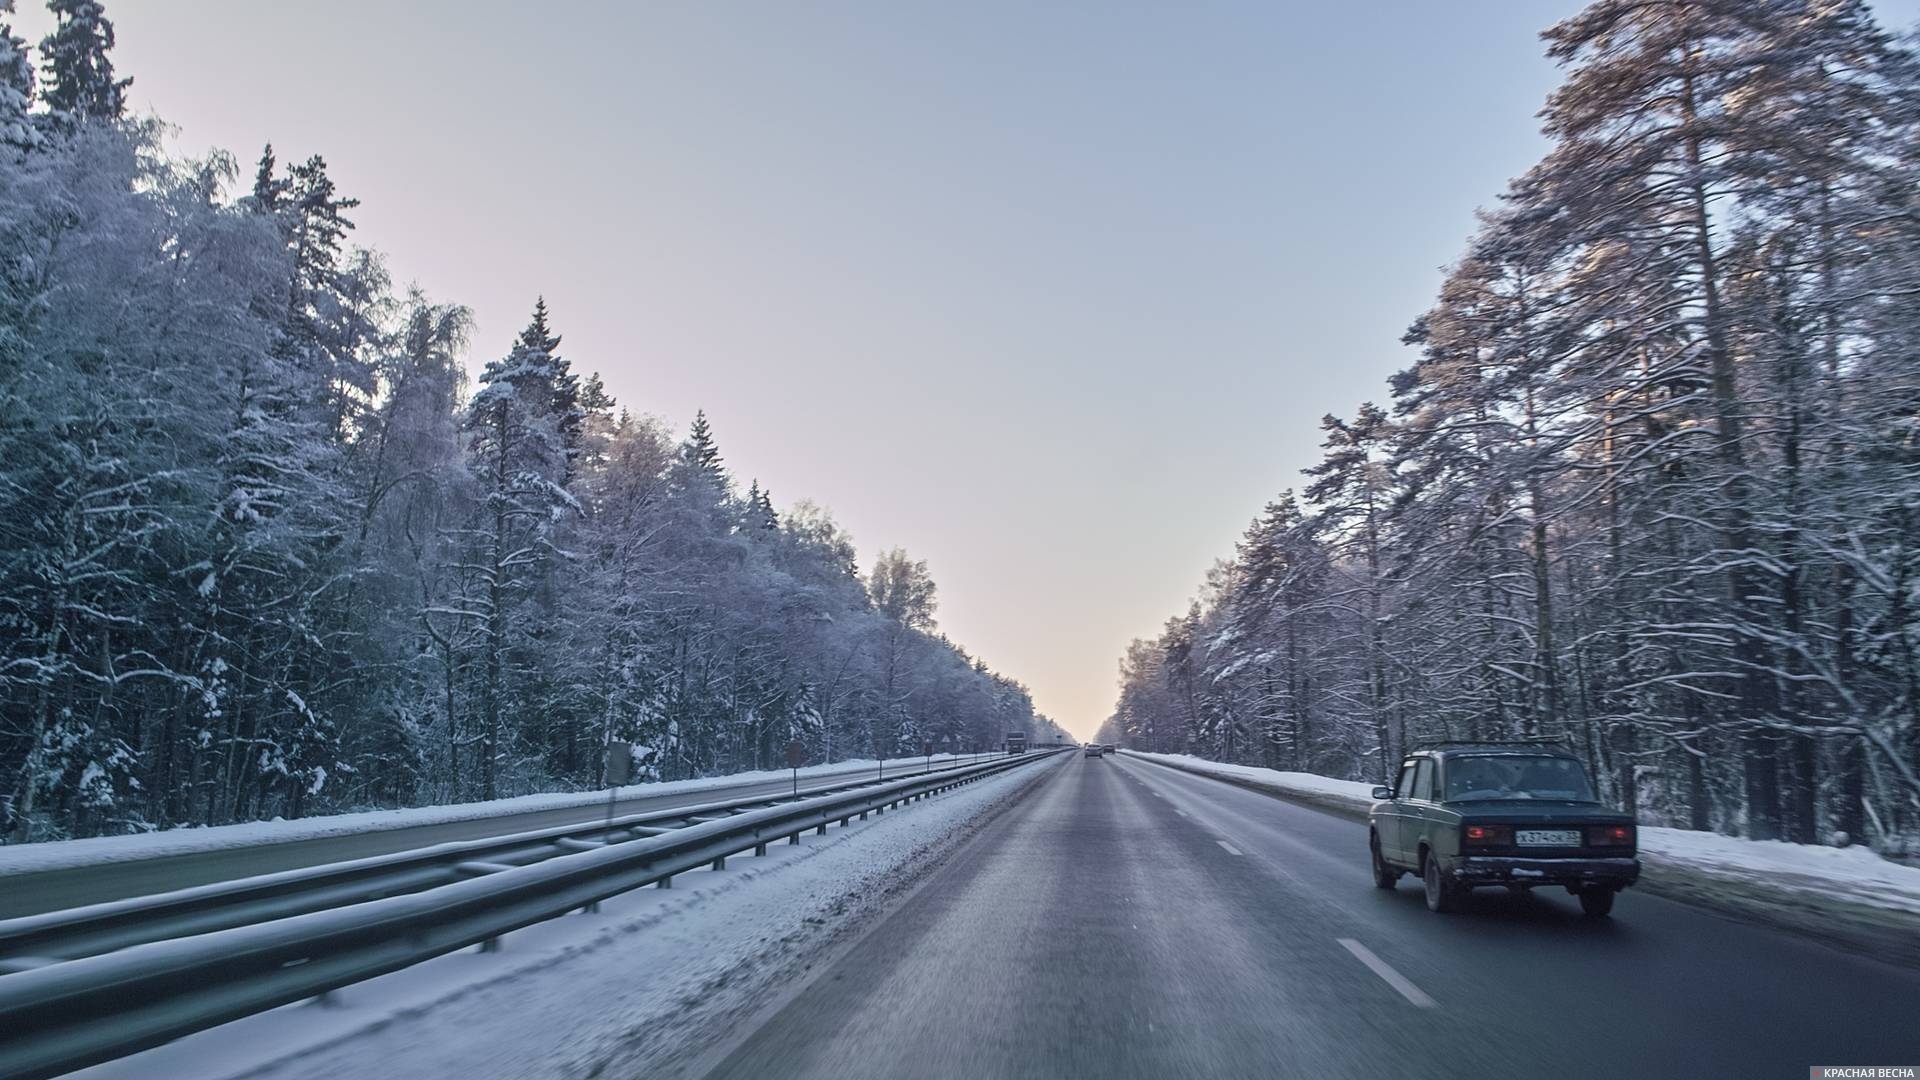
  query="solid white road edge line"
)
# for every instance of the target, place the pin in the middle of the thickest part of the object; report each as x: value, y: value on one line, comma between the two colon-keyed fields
x: 1393, y: 978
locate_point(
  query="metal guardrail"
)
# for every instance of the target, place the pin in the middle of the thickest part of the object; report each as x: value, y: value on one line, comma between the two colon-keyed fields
x: 34, y: 941
x: 80, y: 1012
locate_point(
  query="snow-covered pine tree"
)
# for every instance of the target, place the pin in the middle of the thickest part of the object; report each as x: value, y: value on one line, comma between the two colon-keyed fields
x: 1648, y: 486
x: 1353, y: 487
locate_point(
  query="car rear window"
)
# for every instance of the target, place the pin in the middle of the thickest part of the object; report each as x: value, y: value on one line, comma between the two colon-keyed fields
x: 1517, y: 776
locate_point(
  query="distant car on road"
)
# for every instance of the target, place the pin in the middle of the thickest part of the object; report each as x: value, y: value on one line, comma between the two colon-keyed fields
x: 1515, y: 814
x: 1094, y: 749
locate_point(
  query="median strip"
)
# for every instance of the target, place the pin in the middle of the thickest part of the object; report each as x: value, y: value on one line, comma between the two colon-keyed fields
x: 97, y: 1007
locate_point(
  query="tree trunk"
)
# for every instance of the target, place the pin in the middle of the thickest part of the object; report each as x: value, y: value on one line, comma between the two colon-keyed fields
x: 1759, y: 762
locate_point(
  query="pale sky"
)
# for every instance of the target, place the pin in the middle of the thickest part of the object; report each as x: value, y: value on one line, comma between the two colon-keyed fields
x: 1053, y: 296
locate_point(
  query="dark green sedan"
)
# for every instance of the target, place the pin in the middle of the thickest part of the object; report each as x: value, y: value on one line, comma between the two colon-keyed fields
x: 1518, y: 815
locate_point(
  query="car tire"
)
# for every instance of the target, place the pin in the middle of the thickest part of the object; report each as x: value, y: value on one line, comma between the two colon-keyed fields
x: 1384, y: 876
x: 1442, y: 896
x: 1596, y: 901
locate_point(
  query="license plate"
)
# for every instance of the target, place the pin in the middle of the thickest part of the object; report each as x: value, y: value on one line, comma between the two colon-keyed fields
x: 1547, y: 837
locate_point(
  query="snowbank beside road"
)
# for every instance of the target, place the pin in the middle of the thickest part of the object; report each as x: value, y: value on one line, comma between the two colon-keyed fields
x: 1340, y: 795
x: 1847, y: 895
x: 654, y: 979
x: 69, y: 854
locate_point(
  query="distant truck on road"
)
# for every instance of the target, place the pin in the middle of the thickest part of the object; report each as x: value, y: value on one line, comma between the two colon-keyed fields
x: 1016, y: 742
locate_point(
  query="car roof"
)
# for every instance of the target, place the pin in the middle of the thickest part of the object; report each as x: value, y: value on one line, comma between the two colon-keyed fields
x: 1496, y: 751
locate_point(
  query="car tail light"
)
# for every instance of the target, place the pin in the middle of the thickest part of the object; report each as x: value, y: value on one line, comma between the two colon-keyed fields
x: 1609, y: 836
x: 1486, y: 836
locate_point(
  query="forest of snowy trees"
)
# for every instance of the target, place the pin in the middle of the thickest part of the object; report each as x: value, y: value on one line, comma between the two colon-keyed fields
x: 1652, y: 485
x: 264, y: 551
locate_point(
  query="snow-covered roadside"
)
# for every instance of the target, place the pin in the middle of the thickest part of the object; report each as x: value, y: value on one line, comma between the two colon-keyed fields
x: 639, y: 988
x: 1351, y: 797
x: 1847, y: 895
x: 93, y: 851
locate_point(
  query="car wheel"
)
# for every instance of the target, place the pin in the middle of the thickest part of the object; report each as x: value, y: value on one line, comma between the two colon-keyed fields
x: 1597, y: 901
x: 1384, y: 876
x: 1441, y: 894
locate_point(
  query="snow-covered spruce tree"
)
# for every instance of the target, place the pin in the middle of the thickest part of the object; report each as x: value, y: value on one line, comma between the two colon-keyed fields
x: 17, y: 129
x: 520, y: 427
x: 79, y: 82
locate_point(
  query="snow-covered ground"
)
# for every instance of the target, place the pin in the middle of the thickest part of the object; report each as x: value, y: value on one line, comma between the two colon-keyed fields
x: 1815, y: 889
x: 642, y: 987
x: 69, y: 854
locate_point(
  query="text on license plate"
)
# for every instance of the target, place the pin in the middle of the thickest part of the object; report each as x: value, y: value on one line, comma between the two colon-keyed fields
x: 1547, y: 837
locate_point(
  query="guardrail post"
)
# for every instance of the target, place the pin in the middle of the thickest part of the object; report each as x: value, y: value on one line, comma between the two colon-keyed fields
x: 720, y: 863
x: 795, y: 838
x: 665, y: 882
x: 759, y: 849
x: 492, y: 944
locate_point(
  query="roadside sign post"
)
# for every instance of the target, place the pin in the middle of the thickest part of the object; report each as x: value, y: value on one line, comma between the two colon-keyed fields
x: 619, y: 772
x: 796, y: 753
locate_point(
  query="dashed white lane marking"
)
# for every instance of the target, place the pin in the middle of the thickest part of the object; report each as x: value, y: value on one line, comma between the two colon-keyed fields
x: 1393, y: 978
x: 1183, y: 813
x: 1231, y: 850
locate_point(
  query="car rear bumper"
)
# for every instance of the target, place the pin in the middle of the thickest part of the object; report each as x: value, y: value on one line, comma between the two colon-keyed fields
x: 1615, y: 873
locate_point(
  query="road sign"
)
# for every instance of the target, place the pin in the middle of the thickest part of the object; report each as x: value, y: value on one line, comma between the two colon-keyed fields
x: 926, y: 748
x: 619, y: 771
x: 796, y: 753
x: 619, y: 763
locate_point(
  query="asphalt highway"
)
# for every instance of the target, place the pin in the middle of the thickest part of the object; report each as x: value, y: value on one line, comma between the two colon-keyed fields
x: 55, y: 890
x: 1127, y: 920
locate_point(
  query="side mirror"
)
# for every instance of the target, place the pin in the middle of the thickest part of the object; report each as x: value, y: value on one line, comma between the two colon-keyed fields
x: 1383, y: 793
